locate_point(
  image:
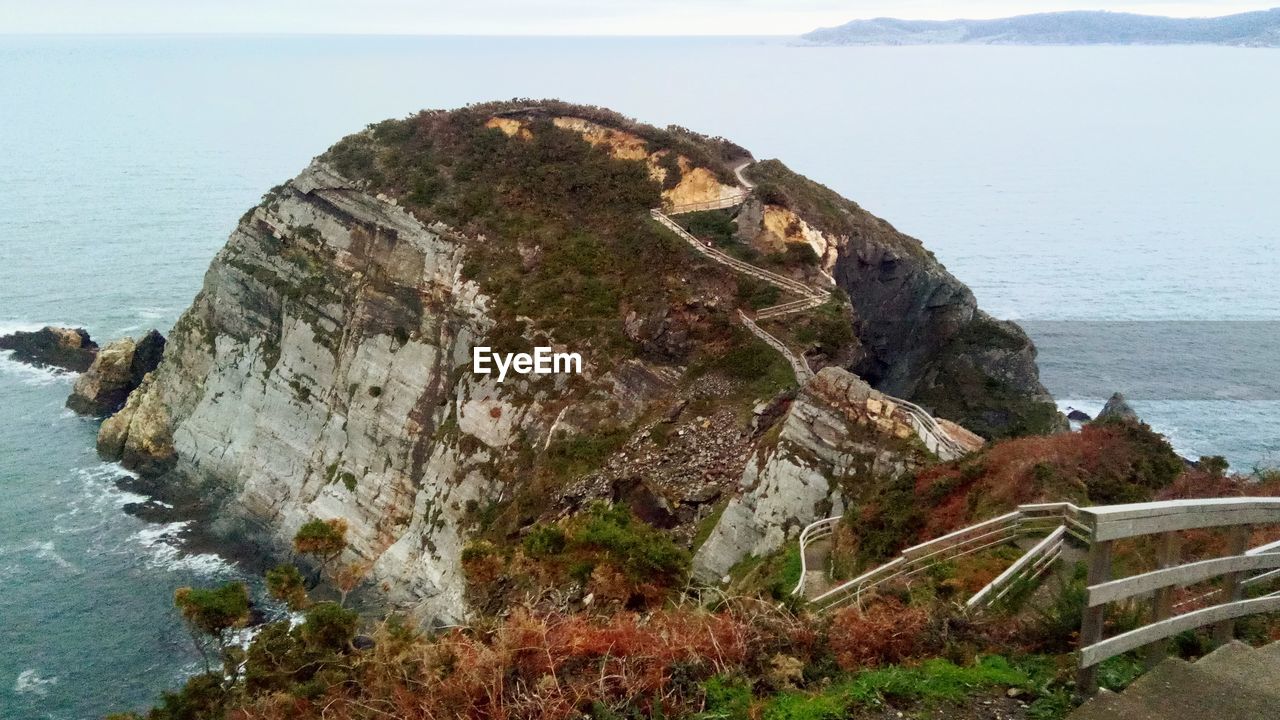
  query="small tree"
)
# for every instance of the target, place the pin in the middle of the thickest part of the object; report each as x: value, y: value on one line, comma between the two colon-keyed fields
x: 348, y: 578
x: 213, y: 613
x: 325, y: 539
x: 322, y: 539
x: 286, y: 584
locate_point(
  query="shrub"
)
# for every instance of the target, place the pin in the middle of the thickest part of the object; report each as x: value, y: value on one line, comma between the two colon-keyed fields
x: 640, y: 551
x: 322, y: 538
x: 544, y: 540
x: 887, y: 632
x: 329, y: 626
x: 286, y: 584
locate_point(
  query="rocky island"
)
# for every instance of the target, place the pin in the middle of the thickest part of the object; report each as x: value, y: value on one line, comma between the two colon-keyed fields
x: 323, y: 371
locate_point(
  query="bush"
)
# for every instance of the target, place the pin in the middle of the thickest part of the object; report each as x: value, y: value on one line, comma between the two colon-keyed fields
x: 329, y: 626
x: 323, y: 538
x: 887, y: 632
x: 286, y: 584
x: 642, y: 552
x: 544, y: 540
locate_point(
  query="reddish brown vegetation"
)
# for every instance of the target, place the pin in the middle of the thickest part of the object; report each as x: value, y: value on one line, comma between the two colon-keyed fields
x: 1103, y: 463
x: 551, y: 666
x: 887, y: 632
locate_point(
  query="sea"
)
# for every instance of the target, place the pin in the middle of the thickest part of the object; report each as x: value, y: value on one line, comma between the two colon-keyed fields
x: 1122, y: 203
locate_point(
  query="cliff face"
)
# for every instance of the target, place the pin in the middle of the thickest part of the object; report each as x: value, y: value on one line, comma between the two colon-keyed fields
x: 324, y: 370
x: 311, y: 377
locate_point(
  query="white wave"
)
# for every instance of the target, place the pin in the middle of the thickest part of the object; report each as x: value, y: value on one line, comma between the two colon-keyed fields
x: 32, y: 375
x: 164, y: 544
x: 154, y: 313
x: 31, y: 682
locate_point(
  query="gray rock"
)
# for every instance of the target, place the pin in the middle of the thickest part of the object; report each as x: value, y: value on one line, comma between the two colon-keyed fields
x: 118, y: 370
x: 1118, y: 408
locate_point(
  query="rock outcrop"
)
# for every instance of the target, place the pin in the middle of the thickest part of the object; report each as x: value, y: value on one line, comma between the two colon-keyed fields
x: 923, y: 335
x: 117, y: 370
x: 65, y: 348
x: 1118, y: 408
x: 840, y: 437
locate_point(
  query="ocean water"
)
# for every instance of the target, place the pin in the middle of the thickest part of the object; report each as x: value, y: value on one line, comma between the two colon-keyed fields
x: 1120, y: 202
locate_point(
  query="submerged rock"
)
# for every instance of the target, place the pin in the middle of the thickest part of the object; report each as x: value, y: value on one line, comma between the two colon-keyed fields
x: 116, y: 371
x: 1118, y: 408
x: 1075, y: 415
x: 66, y: 348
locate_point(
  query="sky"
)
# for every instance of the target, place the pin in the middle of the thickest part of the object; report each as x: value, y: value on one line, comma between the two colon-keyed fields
x: 533, y: 17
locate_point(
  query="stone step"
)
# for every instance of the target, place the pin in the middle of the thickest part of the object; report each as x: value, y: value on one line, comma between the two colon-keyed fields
x: 1272, y: 650
x: 1239, y: 663
x: 1175, y: 689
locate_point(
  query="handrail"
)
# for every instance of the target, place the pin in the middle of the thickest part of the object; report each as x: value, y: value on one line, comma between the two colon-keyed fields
x: 798, y: 364
x: 724, y: 202
x: 1092, y: 655
x: 1051, y: 544
x: 1165, y: 519
x: 1026, y: 520
x: 1179, y: 576
x: 781, y: 281
x: 813, y: 531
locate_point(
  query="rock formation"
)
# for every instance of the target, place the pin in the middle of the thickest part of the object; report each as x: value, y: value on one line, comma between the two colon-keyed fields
x: 117, y: 370
x: 839, y: 437
x: 922, y: 335
x: 1117, y: 408
x: 65, y: 348
x: 324, y: 369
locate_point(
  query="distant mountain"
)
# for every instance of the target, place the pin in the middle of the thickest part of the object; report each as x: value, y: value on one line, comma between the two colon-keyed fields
x: 1255, y: 29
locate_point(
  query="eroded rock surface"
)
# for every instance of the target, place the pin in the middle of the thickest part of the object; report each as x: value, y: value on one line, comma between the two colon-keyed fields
x: 117, y: 370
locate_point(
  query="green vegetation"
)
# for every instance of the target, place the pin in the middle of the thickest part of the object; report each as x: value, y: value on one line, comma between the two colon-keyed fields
x: 714, y: 225
x: 642, y: 552
x: 286, y: 584
x: 757, y: 294
x: 213, y: 613
x: 829, y: 326
x: 322, y: 538
x: 932, y: 683
x: 584, y: 210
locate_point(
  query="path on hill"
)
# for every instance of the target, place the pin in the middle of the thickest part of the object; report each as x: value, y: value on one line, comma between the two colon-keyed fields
x: 809, y: 297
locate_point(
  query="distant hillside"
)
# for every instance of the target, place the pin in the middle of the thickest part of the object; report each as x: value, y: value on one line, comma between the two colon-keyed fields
x: 1255, y: 29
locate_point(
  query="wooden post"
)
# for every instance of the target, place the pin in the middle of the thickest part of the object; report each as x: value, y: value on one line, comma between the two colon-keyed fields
x: 1232, y: 590
x: 1162, y: 599
x: 1094, y: 617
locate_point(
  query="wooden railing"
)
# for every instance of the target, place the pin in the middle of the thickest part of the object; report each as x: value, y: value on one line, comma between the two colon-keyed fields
x: 1099, y: 528
x: 773, y: 278
x: 1026, y: 521
x: 1163, y: 521
x: 820, y: 530
x: 720, y: 204
x: 946, y: 447
x: 798, y: 364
